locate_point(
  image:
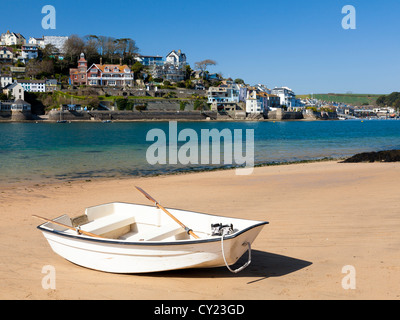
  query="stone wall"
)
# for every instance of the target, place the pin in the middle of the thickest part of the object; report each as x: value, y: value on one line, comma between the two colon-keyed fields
x: 130, y: 115
x: 15, y: 115
x: 137, y: 92
x: 280, y: 114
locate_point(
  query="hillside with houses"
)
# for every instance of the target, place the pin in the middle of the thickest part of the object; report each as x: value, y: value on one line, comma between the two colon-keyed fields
x: 40, y: 76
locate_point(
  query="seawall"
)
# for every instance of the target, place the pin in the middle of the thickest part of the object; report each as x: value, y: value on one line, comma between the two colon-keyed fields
x: 130, y: 115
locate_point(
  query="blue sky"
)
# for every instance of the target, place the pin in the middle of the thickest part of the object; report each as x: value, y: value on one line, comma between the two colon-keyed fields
x: 299, y: 44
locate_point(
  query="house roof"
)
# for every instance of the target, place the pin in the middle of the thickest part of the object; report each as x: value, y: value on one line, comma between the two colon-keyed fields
x: 31, y: 81
x: 178, y: 53
x: 6, y: 48
x: 112, y: 67
x: 23, y: 102
x: 11, y: 86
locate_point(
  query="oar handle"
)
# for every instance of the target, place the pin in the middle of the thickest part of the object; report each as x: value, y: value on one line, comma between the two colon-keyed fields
x: 189, y: 231
x: 68, y: 227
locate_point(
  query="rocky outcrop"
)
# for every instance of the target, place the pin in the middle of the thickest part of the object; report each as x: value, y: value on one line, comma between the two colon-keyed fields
x: 381, y: 156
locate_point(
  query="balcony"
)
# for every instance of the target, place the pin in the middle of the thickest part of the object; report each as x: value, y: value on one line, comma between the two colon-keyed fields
x: 130, y: 78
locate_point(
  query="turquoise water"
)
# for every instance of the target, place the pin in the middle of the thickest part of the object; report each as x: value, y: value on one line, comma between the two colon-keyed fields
x: 65, y: 152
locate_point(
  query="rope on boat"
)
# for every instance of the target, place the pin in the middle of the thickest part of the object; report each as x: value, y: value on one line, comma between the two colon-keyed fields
x: 243, y: 266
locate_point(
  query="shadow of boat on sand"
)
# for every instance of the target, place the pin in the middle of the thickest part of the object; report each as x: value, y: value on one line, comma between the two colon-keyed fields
x: 264, y: 265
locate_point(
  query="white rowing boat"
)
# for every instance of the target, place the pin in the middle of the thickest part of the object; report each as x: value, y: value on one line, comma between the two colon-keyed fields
x: 133, y: 238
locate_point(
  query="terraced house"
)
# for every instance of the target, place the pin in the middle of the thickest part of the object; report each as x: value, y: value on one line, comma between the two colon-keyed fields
x: 33, y: 85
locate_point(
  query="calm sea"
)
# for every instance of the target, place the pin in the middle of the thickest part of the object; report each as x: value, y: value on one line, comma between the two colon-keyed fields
x: 48, y: 151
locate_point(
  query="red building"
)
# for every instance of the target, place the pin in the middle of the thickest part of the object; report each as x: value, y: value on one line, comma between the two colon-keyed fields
x: 78, y: 76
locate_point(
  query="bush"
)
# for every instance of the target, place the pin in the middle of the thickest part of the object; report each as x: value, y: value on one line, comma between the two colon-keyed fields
x: 182, y: 105
x: 199, y: 105
x: 170, y: 94
x: 141, y: 107
x: 124, y: 104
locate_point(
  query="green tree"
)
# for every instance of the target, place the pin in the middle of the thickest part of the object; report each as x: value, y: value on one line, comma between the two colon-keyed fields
x: 137, y: 69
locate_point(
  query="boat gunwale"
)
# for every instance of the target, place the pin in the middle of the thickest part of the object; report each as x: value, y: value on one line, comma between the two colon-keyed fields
x: 153, y: 243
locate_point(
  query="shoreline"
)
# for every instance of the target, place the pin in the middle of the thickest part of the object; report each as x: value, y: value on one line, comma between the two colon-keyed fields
x: 168, y: 120
x: 51, y: 181
x: 323, y: 216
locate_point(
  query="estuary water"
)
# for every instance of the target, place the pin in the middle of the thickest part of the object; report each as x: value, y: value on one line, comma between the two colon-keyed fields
x: 46, y: 152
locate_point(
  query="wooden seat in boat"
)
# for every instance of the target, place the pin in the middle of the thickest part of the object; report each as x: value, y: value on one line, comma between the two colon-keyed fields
x: 109, y: 225
x: 155, y: 234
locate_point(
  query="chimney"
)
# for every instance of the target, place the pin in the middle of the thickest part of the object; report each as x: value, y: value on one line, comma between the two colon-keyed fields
x: 101, y: 60
x: 120, y: 61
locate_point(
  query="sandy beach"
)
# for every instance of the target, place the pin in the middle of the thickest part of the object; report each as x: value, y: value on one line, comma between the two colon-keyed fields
x: 323, y: 216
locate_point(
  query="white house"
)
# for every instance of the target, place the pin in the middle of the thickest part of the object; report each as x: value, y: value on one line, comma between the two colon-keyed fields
x: 11, y: 38
x: 178, y: 59
x: 16, y: 90
x: 254, y: 102
x: 38, y: 41
x: 5, y: 80
x: 33, y: 85
x: 172, y: 69
x: 286, y: 95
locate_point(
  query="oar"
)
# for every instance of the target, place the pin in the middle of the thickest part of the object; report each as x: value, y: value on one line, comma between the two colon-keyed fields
x: 189, y: 231
x: 68, y: 227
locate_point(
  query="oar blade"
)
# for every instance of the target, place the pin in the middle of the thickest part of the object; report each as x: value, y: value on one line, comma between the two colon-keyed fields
x: 146, y: 194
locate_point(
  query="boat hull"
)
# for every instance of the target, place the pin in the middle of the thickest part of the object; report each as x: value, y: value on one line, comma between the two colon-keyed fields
x: 120, y: 257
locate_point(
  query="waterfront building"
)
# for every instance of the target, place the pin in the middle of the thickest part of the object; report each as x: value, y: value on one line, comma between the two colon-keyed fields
x: 273, y: 102
x: 11, y: 39
x: 286, y: 95
x: 227, y: 92
x: 225, y: 96
x: 17, y: 105
x: 254, y: 102
x: 20, y: 105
